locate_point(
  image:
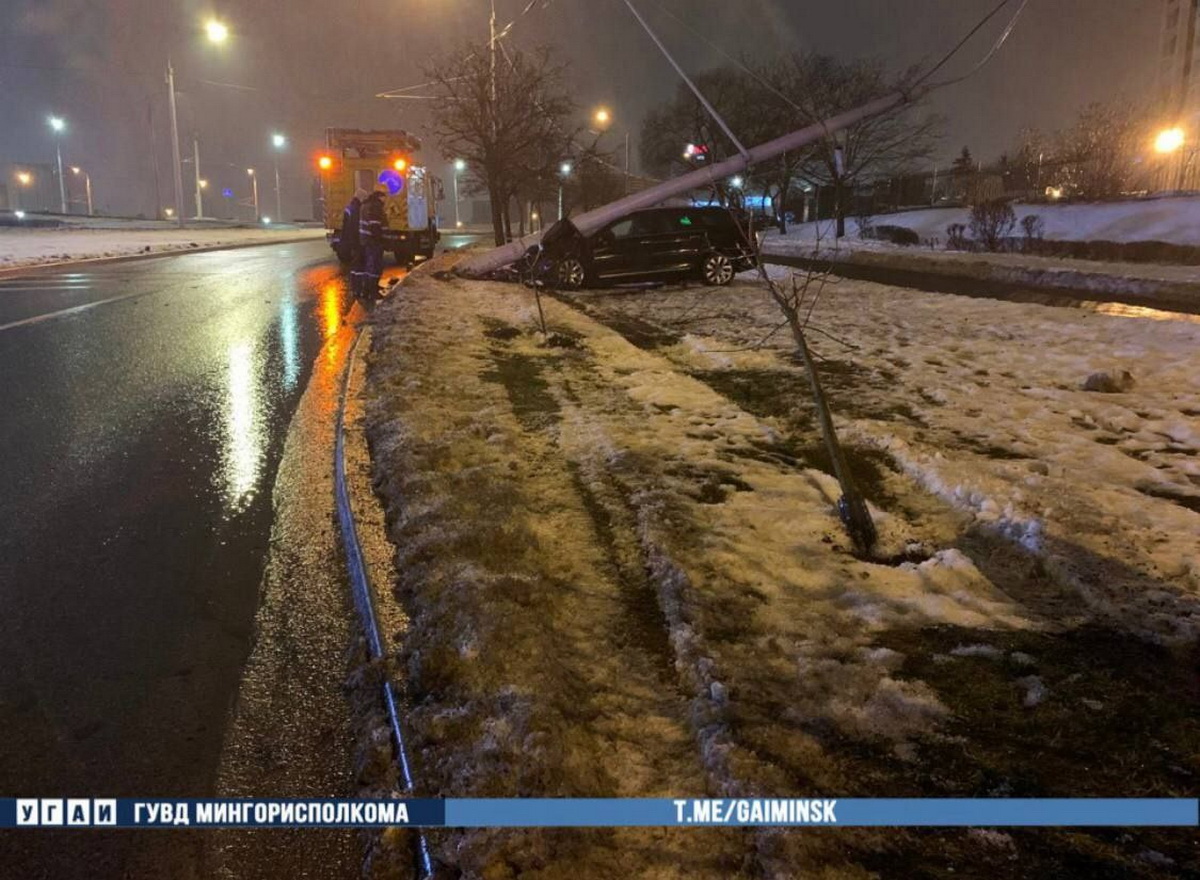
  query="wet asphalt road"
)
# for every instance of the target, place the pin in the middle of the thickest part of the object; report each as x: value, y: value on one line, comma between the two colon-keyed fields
x: 139, y: 440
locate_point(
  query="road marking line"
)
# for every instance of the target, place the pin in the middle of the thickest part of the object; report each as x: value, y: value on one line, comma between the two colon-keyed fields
x: 24, y: 287
x: 62, y: 312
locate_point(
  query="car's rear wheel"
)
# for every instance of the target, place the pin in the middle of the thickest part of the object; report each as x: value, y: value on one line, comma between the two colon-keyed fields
x: 569, y: 273
x: 717, y: 270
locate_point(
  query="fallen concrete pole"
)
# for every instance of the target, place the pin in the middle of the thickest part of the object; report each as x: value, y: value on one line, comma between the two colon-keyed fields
x: 591, y: 221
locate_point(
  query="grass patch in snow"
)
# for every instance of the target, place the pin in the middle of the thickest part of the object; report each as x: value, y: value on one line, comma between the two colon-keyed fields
x: 646, y: 628
x: 642, y: 333
x: 521, y: 376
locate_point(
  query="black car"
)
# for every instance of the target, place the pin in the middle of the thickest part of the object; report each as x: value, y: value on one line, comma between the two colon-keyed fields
x: 657, y: 244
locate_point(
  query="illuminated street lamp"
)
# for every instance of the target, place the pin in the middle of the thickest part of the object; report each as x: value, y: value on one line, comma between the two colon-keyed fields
x: 459, y: 166
x: 254, y: 181
x: 1173, y: 140
x: 278, y: 141
x: 217, y: 32
x: 59, y: 127
x: 87, y: 182
x: 1169, y: 140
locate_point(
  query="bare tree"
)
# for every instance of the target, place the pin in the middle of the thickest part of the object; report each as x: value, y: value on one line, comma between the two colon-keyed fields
x: 879, y: 146
x: 512, y: 127
x: 1097, y: 155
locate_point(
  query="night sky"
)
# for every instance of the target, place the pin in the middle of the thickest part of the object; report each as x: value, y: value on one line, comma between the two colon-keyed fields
x: 298, y: 66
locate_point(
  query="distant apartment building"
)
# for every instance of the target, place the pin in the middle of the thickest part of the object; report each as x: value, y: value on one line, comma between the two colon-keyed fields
x: 1179, y: 74
x: 1179, y: 84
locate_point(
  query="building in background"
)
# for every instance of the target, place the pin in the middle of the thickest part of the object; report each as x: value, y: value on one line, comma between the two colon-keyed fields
x: 28, y: 186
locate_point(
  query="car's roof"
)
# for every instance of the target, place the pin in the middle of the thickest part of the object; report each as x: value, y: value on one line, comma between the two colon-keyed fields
x: 682, y: 208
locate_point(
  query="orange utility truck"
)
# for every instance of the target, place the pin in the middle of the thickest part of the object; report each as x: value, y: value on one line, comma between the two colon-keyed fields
x: 386, y: 161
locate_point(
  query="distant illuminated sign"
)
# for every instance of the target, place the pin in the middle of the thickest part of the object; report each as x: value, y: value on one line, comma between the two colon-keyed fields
x: 393, y: 180
x: 227, y: 192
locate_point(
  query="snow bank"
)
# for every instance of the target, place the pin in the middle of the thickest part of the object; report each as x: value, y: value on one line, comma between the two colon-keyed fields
x: 1175, y: 220
x: 28, y: 247
x: 1172, y: 220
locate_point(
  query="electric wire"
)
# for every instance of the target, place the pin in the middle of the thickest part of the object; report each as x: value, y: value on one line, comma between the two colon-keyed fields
x: 489, y: 43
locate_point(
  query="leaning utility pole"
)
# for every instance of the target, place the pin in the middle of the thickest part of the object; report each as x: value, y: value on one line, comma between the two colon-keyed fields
x: 592, y: 221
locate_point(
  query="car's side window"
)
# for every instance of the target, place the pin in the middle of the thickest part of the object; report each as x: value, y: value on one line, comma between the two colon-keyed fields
x: 650, y: 223
x: 620, y: 229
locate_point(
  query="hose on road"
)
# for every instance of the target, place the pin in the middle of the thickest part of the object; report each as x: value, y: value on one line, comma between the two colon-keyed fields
x: 360, y: 584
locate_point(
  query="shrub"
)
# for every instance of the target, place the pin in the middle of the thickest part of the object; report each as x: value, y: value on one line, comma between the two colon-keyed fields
x: 992, y: 223
x: 896, y: 235
x: 956, y: 237
x: 1034, y: 228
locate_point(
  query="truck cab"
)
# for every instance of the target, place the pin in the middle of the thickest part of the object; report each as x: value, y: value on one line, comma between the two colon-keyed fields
x: 383, y: 160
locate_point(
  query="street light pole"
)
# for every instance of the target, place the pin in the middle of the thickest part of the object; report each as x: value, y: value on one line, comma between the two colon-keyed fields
x: 279, y: 142
x: 459, y: 165
x: 564, y: 171
x: 492, y: 46
x: 217, y: 33
x: 254, y: 182
x: 58, y: 125
x: 627, y: 162
x: 87, y: 184
x: 196, y: 163
x: 175, y: 157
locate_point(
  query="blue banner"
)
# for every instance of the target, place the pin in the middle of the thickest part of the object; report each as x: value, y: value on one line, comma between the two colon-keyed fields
x: 595, y: 812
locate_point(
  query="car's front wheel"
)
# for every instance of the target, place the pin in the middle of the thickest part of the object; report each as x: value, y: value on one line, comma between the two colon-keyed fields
x: 569, y: 273
x: 716, y: 270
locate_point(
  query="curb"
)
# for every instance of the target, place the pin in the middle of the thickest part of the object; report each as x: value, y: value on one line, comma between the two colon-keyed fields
x: 38, y: 268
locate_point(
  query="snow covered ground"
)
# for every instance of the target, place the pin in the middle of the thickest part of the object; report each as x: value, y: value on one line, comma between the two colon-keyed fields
x: 1175, y: 220
x: 36, y: 247
x: 620, y: 557
x: 1149, y: 281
